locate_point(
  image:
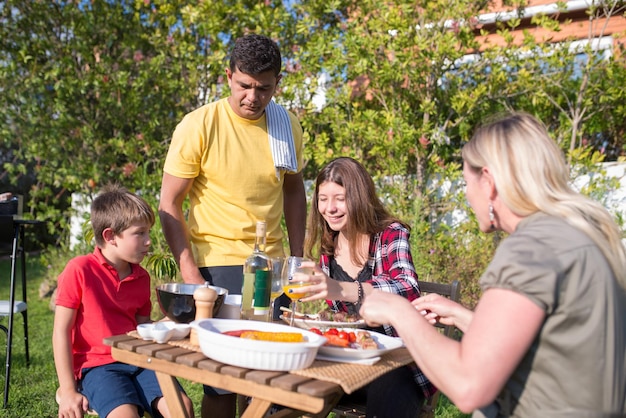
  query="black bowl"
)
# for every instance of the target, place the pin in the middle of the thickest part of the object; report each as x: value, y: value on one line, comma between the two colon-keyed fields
x: 177, y: 303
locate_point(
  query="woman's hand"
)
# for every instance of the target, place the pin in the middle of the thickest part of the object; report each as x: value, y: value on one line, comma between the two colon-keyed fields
x: 381, y: 308
x: 437, y: 308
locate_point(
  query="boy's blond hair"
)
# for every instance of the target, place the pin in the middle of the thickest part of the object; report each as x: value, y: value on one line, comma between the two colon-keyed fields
x: 117, y: 208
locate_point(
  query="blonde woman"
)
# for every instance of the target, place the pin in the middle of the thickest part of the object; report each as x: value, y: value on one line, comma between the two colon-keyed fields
x: 548, y: 336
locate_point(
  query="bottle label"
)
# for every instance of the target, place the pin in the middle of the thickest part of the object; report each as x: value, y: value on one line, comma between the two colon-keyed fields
x: 247, y: 291
x: 262, y: 288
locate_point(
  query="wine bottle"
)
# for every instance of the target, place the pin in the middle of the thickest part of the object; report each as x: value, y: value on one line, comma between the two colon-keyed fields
x: 257, y: 280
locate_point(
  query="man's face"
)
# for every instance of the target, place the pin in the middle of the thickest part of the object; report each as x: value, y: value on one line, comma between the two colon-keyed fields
x: 251, y: 93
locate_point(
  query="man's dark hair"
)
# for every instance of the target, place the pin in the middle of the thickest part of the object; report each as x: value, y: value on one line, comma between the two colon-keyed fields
x: 255, y: 54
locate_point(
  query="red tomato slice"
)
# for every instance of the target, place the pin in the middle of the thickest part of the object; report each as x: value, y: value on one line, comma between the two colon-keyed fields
x: 331, y: 331
x: 352, y: 336
x: 344, y: 335
x: 316, y: 331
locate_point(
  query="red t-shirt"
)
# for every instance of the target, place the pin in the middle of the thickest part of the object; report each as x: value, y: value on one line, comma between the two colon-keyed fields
x: 105, y: 305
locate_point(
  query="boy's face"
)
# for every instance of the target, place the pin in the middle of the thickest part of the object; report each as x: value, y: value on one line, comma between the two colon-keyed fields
x: 133, y: 243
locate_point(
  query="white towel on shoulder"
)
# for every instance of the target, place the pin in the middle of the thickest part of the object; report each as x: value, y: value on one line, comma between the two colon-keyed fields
x: 280, y: 137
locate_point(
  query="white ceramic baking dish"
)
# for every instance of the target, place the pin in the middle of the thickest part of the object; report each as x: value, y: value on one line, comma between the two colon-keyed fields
x: 255, y: 354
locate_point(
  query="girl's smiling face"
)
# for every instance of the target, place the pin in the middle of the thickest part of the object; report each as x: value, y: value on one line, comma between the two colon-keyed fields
x: 331, y: 203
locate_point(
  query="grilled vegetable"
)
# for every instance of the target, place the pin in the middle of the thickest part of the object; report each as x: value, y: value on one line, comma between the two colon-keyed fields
x: 360, y: 340
x: 329, y: 315
x: 365, y: 341
x: 337, y: 341
x: 236, y: 333
x: 284, y: 337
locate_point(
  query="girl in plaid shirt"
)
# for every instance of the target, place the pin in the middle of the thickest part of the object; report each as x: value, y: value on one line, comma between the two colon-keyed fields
x: 362, y: 247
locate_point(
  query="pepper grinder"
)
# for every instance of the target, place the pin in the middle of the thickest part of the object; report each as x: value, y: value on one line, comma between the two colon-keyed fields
x: 204, y: 298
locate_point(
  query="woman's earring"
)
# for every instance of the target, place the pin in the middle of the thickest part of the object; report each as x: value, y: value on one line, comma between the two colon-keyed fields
x: 492, y: 226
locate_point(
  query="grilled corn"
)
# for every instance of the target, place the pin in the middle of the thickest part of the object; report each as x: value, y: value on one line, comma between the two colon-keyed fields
x: 283, y: 337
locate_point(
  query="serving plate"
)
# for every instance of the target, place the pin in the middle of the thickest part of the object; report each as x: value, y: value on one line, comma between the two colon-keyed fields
x: 255, y: 354
x: 385, y: 344
x: 307, y: 323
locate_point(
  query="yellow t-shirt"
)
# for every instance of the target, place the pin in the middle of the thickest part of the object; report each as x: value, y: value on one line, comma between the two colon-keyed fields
x: 235, y: 182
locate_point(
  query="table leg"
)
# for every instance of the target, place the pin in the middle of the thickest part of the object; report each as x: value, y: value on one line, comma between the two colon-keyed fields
x: 261, y: 408
x: 288, y: 413
x: 256, y: 408
x: 329, y: 407
x: 172, y: 395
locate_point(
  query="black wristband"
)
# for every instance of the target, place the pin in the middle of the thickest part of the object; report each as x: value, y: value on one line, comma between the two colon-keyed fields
x: 360, y: 296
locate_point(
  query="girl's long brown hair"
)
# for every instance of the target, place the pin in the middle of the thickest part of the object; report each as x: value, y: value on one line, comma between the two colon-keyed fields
x: 366, y: 213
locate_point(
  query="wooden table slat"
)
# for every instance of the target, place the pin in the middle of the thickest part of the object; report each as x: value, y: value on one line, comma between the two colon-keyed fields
x: 262, y: 376
x: 289, y: 381
x: 210, y: 365
x: 317, y: 388
x: 172, y: 354
x: 116, y: 338
x: 149, y: 349
x: 191, y: 359
x: 132, y: 345
x: 234, y: 371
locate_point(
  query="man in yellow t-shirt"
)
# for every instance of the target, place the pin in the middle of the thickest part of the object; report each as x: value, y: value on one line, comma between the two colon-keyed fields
x: 220, y: 157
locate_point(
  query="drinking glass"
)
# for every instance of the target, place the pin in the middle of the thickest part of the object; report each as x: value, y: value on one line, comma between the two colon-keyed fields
x: 291, y: 266
x: 277, y: 283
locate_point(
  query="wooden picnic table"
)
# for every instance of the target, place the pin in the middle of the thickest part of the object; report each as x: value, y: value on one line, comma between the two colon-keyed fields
x: 313, y: 391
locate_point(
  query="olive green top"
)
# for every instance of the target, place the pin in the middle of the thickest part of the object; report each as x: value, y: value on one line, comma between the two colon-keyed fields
x: 577, y: 364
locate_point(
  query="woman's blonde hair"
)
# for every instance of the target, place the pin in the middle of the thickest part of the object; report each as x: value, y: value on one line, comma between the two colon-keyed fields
x: 531, y: 175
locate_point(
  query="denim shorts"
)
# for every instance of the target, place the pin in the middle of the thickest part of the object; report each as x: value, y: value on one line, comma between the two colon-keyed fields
x: 111, y: 385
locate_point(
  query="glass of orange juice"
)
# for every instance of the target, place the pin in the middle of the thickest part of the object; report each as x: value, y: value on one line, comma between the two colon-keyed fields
x: 291, y: 266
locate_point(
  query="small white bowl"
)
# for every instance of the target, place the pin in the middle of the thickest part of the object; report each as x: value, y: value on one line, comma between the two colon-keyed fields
x: 163, y: 331
x: 179, y: 331
x: 145, y: 331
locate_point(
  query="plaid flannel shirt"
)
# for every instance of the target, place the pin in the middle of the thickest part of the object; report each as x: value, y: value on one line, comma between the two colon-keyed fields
x: 392, y: 268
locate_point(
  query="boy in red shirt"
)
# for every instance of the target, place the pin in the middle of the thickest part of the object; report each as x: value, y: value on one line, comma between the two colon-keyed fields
x: 102, y: 294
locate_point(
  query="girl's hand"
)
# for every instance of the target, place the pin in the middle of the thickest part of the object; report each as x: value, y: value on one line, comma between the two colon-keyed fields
x: 320, y: 286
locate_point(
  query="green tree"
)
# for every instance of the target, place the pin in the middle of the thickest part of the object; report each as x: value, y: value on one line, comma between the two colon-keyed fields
x: 91, y: 92
x: 406, y: 83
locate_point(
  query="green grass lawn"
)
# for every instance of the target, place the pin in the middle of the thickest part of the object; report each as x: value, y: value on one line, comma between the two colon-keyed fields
x: 32, y: 388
